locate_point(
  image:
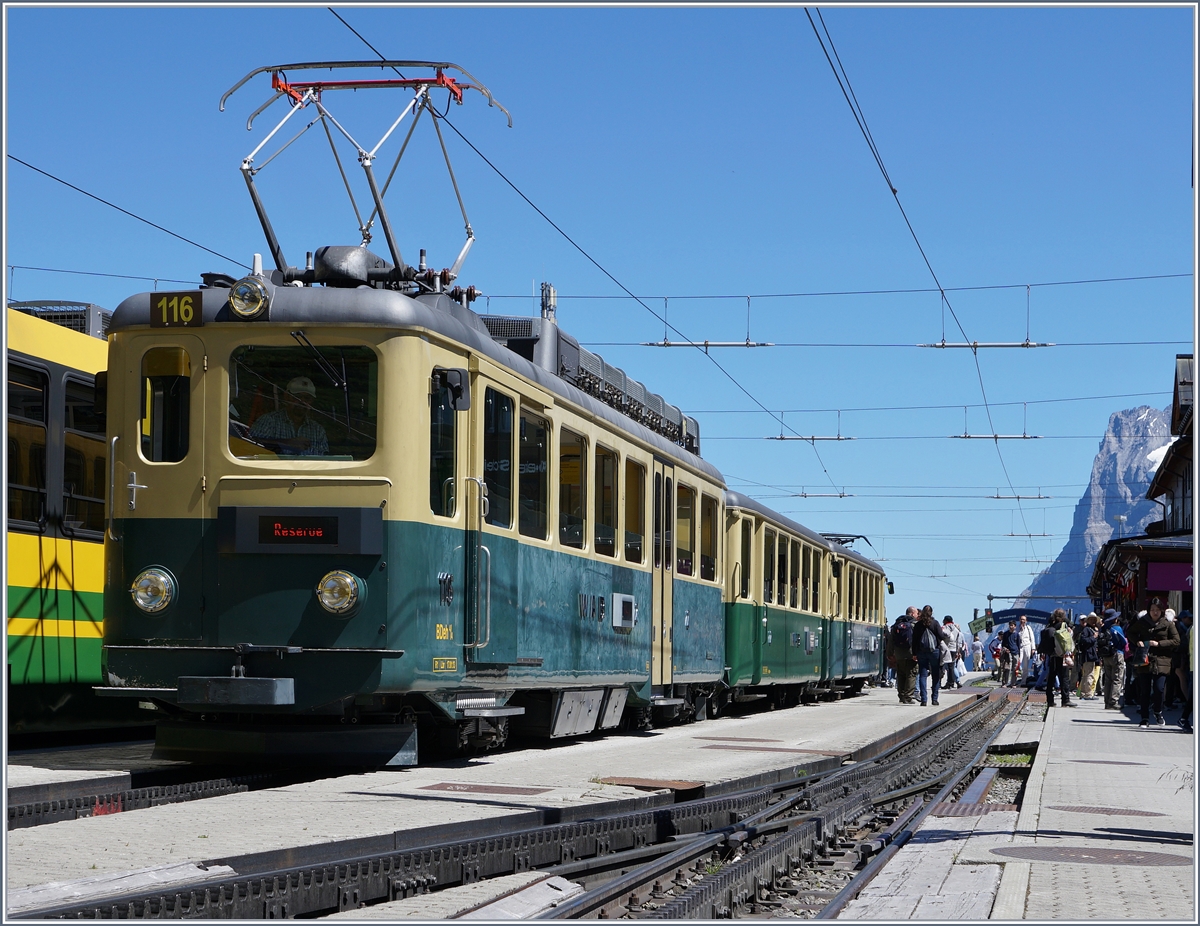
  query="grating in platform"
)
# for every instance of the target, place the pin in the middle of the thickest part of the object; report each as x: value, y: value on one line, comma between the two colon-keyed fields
x: 1079, y: 855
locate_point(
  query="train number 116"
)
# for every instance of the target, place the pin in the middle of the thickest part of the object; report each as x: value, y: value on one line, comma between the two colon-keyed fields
x: 176, y: 310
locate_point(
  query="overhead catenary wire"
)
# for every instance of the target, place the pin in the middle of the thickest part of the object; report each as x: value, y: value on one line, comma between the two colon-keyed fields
x: 859, y: 344
x: 870, y: 292
x: 843, y: 79
x: 132, y: 215
x: 902, y: 408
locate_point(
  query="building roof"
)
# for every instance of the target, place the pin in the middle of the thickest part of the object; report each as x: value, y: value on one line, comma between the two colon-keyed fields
x: 1176, y: 461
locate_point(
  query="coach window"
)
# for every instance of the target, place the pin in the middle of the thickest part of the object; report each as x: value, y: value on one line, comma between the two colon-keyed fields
x: 794, y: 583
x: 816, y: 581
x: 685, y: 521
x: 769, y: 568
x: 27, y: 391
x: 606, y: 502
x: 635, y: 512
x: 668, y: 511
x: 708, y: 538
x: 442, y: 443
x: 498, y: 456
x: 781, y: 576
x: 747, y: 543
x: 658, y: 491
x: 84, y: 464
x: 572, y: 489
x: 533, y: 509
x: 442, y: 448
x: 166, y: 400
x: 851, y: 598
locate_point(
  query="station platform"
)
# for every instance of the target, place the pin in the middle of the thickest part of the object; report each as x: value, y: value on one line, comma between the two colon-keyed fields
x: 565, y: 778
x: 1104, y: 832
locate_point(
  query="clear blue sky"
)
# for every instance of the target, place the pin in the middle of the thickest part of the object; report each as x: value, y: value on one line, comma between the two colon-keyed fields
x: 699, y: 152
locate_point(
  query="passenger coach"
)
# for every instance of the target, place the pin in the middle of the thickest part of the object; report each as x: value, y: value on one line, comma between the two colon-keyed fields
x: 804, y: 615
x: 57, y: 481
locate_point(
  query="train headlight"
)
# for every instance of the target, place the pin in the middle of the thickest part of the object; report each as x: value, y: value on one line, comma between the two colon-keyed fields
x: 248, y: 298
x: 340, y: 592
x: 153, y: 589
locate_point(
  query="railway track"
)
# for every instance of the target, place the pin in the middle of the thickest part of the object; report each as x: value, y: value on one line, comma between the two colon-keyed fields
x: 779, y: 839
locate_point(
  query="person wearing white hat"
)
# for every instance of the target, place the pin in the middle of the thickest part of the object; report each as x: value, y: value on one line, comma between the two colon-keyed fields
x: 291, y: 430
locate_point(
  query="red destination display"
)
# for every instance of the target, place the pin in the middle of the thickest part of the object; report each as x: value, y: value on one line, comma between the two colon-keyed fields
x: 277, y: 529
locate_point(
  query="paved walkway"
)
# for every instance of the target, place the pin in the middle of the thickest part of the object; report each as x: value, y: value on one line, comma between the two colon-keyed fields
x: 1105, y: 832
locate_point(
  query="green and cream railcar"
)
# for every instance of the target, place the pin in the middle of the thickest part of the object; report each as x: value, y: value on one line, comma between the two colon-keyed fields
x: 803, y: 614
x: 362, y: 507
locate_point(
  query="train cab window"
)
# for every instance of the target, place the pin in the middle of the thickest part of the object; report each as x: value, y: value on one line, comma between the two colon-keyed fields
x: 781, y: 576
x: 27, y: 395
x: 685, y: 521
x: 606, y: 502
x: 532, y: 502
x: 84, y: 463
x: 498, y: 456
x: 442, y: 445
x: 635, y: 512
x: 708, y: 538
x: 769, y: 567
x: 747, y: 541
x: 572, y: 489
x: 166, y: 400
x: 794, y: 582
x: 311, y: 402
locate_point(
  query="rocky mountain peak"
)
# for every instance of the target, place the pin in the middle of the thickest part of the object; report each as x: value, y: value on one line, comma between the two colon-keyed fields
x: 1132, y: 448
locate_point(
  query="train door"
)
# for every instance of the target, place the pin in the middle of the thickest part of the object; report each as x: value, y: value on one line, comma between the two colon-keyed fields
x: 490, y: 632
x: 157, y: 480
x: 663, y: 513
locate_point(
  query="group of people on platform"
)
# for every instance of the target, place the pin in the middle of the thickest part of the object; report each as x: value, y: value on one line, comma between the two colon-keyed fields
x: 920, y: 650
x: 1148, y: 660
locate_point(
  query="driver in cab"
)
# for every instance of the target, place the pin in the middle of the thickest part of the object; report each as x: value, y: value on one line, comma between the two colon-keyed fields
x: 291, y: 429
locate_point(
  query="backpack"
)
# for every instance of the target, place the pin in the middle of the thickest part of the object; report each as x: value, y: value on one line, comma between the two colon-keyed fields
x: 902, y: 633
x: 1105, y: 644
x: 1064, y: 641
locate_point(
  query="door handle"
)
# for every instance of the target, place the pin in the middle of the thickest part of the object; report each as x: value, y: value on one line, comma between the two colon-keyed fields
x: 133, y: 486
x: 484, y: 504
x: 482, y: 644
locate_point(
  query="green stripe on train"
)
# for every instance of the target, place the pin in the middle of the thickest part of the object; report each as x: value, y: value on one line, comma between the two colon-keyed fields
x: 55, y: 604
x: 54, y: 636
x: 37, y: 660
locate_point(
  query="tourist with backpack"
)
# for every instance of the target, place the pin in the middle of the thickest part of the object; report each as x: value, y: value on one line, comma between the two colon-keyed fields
x: 1011, y: 641
x: 1110, y: 647
x: 1057, y: 644
x: 900, y: 656
x: 1087, y: 658
x: 927, y: 641
x: 1160, y: 639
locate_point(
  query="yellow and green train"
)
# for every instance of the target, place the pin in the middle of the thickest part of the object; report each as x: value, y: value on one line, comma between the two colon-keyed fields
x: 343, y: 512
x: 57, y: 482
